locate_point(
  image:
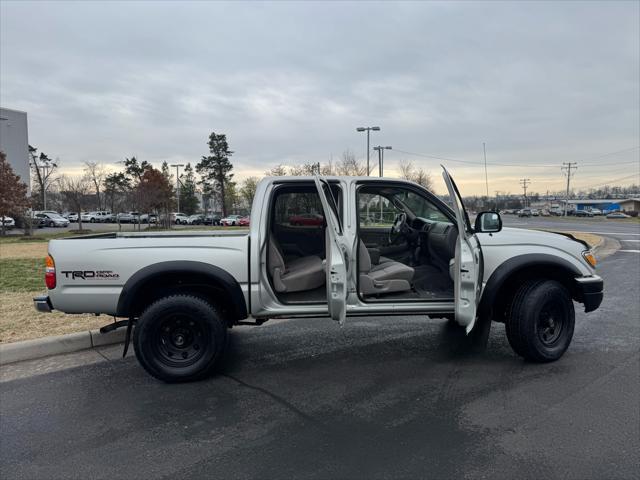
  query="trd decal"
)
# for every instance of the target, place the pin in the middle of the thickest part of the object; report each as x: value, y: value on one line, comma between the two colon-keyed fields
x: 90, y: 274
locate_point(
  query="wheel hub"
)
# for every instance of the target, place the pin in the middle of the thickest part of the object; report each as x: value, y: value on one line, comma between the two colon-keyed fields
x: 179, y: 340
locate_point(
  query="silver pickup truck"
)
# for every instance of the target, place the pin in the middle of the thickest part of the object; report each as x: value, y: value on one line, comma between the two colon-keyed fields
x: 326, y: 247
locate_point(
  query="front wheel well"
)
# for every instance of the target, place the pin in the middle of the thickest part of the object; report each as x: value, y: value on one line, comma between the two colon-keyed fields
x: 504, y: 295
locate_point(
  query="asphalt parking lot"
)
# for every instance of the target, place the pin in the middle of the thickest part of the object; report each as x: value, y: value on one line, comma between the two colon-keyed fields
x: 379, y: 398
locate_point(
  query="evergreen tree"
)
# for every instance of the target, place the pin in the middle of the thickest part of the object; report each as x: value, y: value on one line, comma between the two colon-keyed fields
x: 216, y: 169
x: 188, y: 200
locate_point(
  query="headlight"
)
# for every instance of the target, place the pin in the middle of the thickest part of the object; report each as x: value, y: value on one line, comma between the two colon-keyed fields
x: 590, y: 258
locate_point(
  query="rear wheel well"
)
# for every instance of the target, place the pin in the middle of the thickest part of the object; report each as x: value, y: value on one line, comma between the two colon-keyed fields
x: 195, y: 284
x: 510, y: 285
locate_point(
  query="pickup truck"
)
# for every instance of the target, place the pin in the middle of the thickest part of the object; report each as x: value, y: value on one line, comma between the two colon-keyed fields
x: 418, y: 256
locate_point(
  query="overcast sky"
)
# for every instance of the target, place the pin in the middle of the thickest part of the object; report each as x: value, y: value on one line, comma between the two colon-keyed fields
x: 289, y: 82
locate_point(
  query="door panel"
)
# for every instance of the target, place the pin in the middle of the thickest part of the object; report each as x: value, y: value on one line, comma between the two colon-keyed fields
x: 338, y: 252
x: 468, y: 261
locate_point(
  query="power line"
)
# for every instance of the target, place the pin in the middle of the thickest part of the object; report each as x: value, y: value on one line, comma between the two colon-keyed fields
x: 567, y: 166
x: 635, y: 175
x: 548, y: 165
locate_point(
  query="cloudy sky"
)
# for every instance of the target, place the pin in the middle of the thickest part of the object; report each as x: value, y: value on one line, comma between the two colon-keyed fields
x: 289, y: 82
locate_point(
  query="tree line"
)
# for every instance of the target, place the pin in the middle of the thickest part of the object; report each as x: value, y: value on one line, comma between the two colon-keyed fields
x: 139, y: 186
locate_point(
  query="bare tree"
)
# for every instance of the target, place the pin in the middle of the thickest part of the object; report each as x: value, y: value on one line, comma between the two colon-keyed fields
x: 45, y: 172
x: 419, y: 176
x: 75, y: 191
x: 96, y: 173
x: 349, y: 166
x: 277, y: 171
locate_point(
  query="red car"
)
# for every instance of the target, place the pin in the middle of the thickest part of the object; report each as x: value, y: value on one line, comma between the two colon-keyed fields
x: 244, y: 221
x: 306, y: 219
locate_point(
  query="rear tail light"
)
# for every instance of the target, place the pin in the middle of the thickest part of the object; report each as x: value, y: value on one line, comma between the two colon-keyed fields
x: 50, y: 273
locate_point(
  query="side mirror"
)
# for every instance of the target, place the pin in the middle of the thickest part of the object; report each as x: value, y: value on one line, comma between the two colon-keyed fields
x: 488, y: 222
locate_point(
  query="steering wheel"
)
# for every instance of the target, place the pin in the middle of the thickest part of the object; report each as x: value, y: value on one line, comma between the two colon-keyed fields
x: 396, y: 229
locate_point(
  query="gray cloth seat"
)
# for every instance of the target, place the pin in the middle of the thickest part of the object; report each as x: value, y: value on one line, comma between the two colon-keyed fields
x: 304, y: 273
x: 387, y: 276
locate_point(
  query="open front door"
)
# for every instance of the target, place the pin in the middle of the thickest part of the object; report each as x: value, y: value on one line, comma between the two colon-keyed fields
x: 336, y: 254
x: 468, y: 261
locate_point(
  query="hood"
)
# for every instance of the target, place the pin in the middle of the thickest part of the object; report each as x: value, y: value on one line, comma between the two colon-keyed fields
x: 522, y: 236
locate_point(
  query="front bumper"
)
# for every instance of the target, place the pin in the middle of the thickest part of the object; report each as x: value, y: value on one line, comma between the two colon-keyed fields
x: 42, y: 304
x: 590, y: 291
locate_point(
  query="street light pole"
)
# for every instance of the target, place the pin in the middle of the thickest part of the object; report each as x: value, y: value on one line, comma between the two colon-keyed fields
x: 368, y: 130
x: 178, y: 165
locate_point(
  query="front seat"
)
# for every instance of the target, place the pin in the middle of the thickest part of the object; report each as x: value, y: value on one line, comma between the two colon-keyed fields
x: 386, y: 277
x: 304, y: 273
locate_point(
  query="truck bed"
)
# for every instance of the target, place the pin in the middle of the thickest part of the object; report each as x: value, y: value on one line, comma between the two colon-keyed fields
x: 92, y: 270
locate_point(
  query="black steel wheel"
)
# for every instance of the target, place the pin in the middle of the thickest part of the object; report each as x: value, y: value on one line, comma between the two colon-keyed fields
x: 180, y: 338
x: 541, y: 321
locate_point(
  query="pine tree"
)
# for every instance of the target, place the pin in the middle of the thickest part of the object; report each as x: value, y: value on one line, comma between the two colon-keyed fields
x: 188, y: 200
x: 216, y: 168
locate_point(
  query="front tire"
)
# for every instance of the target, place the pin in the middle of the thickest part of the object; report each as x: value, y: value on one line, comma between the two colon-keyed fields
x: 180, y: 338
x: 541, y: 321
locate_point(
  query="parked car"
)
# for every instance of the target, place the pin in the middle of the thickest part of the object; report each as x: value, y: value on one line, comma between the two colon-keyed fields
x: 230, y: 221
x: 582, y: 213
x: 179, y: 218
x: 99, y: 216
x: 149, y: 218
x: 618, y: 215
x: 183, y: 302
x: 196, y: 219
x: 596, y: 211
x: 535, y: 212
x: 310, y: 219
x: 525, y: 212
x: 244, y: 221
x: 211, y: 219
x: 53, y: 219
x: 128, y: 217
x: 8, y: 223
x: 71, y: 216
x: 545, y: 213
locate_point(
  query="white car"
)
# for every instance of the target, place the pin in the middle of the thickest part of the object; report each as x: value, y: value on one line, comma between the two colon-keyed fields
x: 72, y: 216
x: 99, y: 216
x: 8, y: 223
x: 53, y: 219
x: 179, y: 218
x: 231, y: 220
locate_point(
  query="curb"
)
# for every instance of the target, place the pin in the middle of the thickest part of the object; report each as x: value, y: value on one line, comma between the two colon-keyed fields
x: 57, y: 344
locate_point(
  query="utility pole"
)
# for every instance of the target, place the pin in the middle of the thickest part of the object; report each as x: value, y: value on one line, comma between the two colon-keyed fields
x: 381, y: 150
x: 178, y: 165
x: 486, y: 176
x: 368, y: 130
x: 525, y: 183
x: 497, y: 193
x: 567, y: 167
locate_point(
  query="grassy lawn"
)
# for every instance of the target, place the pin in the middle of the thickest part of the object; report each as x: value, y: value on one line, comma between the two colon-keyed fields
x: 21, y: 279
x: 21, y: 274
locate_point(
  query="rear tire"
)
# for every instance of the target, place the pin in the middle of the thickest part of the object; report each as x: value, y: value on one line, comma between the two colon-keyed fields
x: 541, y: 321
x: 180, y: 338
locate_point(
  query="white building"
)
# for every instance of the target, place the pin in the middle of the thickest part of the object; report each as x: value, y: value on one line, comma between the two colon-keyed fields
x: 14, y: 142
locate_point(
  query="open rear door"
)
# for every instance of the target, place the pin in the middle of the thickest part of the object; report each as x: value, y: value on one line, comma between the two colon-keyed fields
x: 468, y: 261
x: 336, y: 254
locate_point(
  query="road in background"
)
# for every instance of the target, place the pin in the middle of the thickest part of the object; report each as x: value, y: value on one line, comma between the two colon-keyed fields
x: 626, y: 232
x: 392, y: 397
